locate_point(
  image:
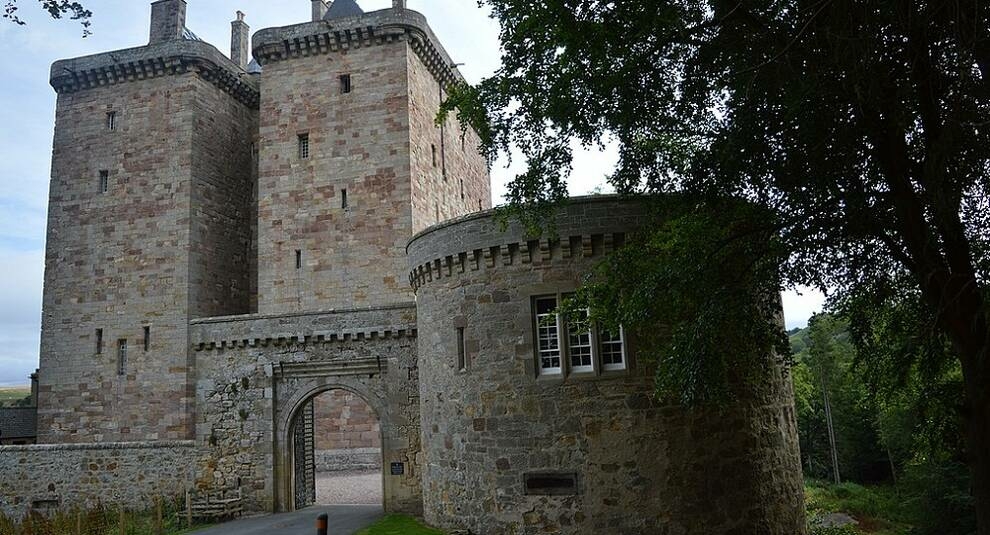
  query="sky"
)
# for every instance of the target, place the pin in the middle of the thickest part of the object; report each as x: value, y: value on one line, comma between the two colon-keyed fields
x: 27, y: 107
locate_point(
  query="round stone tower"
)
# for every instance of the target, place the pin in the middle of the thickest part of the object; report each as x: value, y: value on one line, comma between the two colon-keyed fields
x: 530, y: 426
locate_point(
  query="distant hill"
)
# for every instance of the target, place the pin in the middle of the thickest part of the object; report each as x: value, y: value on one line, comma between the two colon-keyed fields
x: 11, y: 396
x: 800, y: 339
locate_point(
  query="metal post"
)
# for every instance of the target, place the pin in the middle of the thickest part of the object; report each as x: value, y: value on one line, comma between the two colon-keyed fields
x: 321, y: 524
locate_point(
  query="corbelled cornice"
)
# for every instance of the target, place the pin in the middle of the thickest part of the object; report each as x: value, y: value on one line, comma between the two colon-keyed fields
x: 370, y: 29
x: 153, y: 61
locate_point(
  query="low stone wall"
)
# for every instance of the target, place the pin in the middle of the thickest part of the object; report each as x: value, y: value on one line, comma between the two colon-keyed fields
x: 345, y: 460
x: 66, y: 476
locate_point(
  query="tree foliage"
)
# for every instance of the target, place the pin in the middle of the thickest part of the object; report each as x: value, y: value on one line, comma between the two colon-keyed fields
x: 56, y: 8
x: 858, y: 129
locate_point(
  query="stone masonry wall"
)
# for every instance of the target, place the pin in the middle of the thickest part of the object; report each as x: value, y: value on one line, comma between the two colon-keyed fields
x: 640, y: 467
x: 256, y: 371
x: 359, y: 142
x: 68, y: 476
x: 450, y: 176
x: 345, y: 421
x: 117, y: 261
x: 348, y: 434
x: 222, y: 197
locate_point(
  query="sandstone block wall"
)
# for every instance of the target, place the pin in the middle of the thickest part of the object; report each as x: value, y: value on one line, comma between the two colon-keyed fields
x: 160, y: 238
x: 69, y: 476
x: 344, y: 421
x: 378, y: 142
x: 638, y: 466
x: 117, y: 261
x: 358, y: 142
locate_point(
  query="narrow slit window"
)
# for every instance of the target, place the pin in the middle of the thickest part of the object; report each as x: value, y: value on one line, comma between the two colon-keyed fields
x: 579, y: 344
x: 104, y: 181
x: 433, y: 149
x: 99, y: 341
x: 298, y: 259
x: 303, y: 146
x: 480, y: 208
x: 345, y: 83
x: 461, y: 355
x: 343, y: 199
x: 147, y: 337
x: 121, y: 357
x: 111, y: 120
x: 462, y: 189
x: 548, y: 336
x: 613, y: 351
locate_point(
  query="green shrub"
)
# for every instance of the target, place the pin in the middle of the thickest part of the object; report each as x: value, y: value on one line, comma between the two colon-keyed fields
x: 939, y: 495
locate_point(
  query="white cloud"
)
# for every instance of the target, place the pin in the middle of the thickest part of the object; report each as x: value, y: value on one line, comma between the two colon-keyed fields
x: 800, y: 304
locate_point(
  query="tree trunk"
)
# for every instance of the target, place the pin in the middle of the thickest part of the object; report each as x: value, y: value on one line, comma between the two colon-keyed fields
x: 831, y: 434
x: 978, y: 423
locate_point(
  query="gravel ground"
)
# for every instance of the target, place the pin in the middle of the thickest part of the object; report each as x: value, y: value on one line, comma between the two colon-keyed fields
x: 349, y: 488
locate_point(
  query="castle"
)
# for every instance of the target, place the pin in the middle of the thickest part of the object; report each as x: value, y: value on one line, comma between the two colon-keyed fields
x: 230, y: 237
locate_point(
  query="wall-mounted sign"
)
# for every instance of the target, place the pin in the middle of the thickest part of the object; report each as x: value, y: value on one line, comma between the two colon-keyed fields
x: 398, y: 469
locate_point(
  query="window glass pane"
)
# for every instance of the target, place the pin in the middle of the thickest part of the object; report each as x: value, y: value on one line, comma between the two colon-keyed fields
x: 579, y: 343
x: 613, y: 351
x: 548, y: 335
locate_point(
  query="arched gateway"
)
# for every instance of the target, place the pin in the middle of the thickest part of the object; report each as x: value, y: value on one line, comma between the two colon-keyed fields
x: 259, y: 374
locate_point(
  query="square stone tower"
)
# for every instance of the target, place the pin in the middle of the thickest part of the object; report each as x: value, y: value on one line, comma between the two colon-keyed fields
x: 149, y: 225
x: 352, y: 163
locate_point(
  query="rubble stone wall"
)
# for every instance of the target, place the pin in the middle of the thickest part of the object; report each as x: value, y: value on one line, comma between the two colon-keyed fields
x: 67, y: 476
x: 637, y: 465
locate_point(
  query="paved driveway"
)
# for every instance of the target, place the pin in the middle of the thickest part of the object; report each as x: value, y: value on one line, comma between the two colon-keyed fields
x: 344, y: 520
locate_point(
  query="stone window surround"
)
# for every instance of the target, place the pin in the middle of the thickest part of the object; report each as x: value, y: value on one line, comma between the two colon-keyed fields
x: 598, y: 368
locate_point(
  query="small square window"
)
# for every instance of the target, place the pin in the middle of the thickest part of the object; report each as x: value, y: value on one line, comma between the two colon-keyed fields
x: 303, y: 146
x: 111, y: 120
x: 345, y: 83
x: 104, y: 181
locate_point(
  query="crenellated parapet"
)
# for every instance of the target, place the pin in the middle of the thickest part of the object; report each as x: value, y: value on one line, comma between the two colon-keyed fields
x: 370, y: 29
x: 278, y: 330
x: 586, y: 227
x: 169, y: 58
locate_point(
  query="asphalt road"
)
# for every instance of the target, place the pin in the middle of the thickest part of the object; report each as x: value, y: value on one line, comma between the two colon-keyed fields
x: 344, y: 520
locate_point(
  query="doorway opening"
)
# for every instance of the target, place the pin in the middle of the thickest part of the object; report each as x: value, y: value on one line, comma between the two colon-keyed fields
x: 338, y: 451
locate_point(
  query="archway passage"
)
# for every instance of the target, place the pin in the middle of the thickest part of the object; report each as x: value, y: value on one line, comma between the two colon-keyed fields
x: 348, y: 450
x: 337, y: 451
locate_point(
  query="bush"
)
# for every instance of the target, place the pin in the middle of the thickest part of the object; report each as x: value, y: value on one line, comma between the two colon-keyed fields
x: 939, y: 495
x: 845, y: 530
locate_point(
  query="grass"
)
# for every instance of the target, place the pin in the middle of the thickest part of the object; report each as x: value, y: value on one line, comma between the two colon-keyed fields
x: 398, y: 525
x: 880, y: 510
x: 11, y: 395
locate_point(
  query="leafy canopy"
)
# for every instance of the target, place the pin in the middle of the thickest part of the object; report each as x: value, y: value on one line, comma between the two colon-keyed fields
x: 56, y: 8
x: 858, y: 131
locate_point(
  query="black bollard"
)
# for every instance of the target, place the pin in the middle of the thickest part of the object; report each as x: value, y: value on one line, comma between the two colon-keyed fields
x: 321, y: 524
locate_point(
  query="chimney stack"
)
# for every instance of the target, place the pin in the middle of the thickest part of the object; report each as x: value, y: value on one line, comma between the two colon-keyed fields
x: 398, y: 4
x: 34, y: 389
x: 168, y: 20
x: 240, y: 41
x: 319, y: 10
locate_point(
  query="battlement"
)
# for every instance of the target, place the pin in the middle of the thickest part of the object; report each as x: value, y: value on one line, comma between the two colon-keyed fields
x: 368, y: 29
x: 152, y: 61
x: 585, y: 227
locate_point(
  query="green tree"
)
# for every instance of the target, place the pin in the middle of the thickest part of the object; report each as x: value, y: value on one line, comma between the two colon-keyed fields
x: 56, y: 8
x: 858, y: 129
